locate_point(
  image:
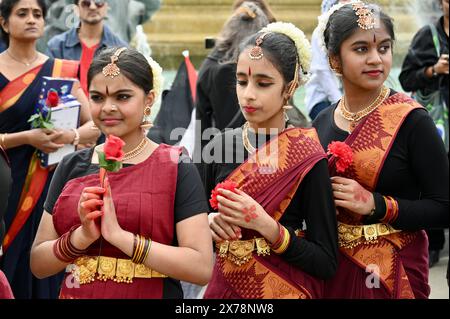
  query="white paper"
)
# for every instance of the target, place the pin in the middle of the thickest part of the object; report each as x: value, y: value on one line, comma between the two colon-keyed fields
x: 64, y: 117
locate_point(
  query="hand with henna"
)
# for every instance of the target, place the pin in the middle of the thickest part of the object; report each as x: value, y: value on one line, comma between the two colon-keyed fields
x: 89, y: 209
x: 349, y: 194
x: 238, y: 208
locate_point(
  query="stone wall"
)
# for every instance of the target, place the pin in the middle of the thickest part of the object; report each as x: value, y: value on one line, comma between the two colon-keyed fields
x: 184, y: 24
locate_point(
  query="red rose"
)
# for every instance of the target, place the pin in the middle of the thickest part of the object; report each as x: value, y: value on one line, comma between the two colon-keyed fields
x: 113, y: 148
x: 52, y: 98
x: 343, y: 154
x: 228, y: 185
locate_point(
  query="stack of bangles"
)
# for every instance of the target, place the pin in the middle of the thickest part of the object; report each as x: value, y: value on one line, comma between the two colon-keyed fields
x: 283, y: 241
x: 141, y: 248
x: 2, y: 140
x: 64, y: 250
x: 391, y: 210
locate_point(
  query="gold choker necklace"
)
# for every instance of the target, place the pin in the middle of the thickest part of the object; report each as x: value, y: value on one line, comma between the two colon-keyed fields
x: 355, y: 117
x: 136, y: 151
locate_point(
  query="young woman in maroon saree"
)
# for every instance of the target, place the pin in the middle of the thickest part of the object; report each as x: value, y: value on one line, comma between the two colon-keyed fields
x: 21, y: 72
x: 397, y: 184
x: 153, y: 208
x: 263, y: 250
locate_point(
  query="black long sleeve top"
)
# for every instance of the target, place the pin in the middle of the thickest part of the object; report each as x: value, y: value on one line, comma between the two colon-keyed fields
x: 421, y: 55
x: 312, y: 205
x: 415, y: 172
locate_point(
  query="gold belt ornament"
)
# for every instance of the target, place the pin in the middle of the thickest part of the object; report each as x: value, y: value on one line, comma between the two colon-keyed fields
x: 240, y: 251
x: 119, y: 270
x: 350, y: 236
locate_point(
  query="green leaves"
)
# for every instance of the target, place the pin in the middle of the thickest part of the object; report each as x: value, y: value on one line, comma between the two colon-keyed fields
x: 111, y: 166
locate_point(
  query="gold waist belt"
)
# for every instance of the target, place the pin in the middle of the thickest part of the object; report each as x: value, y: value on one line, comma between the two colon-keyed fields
x: 350, y: 236
x: 240, y: 251
x: 85, y: 268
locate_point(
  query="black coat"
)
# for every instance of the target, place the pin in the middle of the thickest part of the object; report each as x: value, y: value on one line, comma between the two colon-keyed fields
x: 421, y: 55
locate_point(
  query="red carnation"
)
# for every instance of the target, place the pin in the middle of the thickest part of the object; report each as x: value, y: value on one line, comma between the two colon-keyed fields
x: 113, y: 148
x: 52, y: 98
x: 343, y: 154
x: 228, y: 185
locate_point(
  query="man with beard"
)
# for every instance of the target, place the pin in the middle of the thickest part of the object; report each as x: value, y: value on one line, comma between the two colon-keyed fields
x: 82, y: 42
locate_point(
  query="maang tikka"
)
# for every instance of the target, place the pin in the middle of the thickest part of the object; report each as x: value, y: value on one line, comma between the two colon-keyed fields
x: 112, y: 70
x: 256, y: 53
x: 366, y: 18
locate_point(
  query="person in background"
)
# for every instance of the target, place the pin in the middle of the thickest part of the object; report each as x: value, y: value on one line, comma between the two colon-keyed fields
x: 425, y: 72
x: 22, y: 69
x: 394, y: 182
x: 81, y: 43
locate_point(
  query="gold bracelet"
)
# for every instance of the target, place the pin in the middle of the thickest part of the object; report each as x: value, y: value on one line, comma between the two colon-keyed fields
x: 285, y: 244
x: 2, y: 144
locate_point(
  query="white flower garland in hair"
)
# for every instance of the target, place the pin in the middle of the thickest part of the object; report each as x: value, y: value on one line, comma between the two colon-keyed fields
x: 158, y: 79
x: 323, y: 21
x: 301, y: 43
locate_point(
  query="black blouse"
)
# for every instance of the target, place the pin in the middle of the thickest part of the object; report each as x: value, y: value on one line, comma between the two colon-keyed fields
x: 311, y: 209
x: 415, y: 172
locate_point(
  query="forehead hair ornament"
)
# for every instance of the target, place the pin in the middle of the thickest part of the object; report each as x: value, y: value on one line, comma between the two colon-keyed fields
x: 256, y: 53
x: 366, y: 18
x: 112, y: 70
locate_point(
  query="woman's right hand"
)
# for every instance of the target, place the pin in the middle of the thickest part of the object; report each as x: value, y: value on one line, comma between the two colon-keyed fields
x: 89, y: 209
x: 222, y: 230
x: 43, y: 140
x: 441, y: 67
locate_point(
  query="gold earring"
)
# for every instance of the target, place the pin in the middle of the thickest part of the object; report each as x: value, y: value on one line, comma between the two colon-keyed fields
x: 146, y: 124
x: 336, y: 71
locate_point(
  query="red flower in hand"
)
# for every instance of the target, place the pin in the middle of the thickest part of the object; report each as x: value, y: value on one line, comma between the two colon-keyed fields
x: 343, y: 154
x: 52, y: 98
x: 228, y: 185
x: 113, y: 148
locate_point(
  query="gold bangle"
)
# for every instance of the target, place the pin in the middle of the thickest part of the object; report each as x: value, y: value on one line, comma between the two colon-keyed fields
x: 2, y: 144
x: 285, y: 244
x: 147, y: 250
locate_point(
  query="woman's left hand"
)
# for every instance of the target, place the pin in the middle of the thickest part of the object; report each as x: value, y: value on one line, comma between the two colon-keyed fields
x: 349, y: 194
x: 242, y: 210
x: 110, y: 226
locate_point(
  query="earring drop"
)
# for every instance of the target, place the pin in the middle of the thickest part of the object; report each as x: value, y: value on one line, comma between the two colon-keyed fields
x: 146, y: 124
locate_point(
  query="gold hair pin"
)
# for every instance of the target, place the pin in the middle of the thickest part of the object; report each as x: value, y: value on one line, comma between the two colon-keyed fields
x: 112, y: 70
x: 256, y: 53
x: 366, y: 18
x: 246, y: 11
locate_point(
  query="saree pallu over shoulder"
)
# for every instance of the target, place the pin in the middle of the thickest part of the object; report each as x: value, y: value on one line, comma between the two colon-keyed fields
x: 36, y: 177
x: 271, y: 176
x: 371, y: 142
x: 144, y: 197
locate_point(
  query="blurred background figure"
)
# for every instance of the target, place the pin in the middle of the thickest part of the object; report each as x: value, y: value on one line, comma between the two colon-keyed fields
x: 425, y: 72
x: 61, y: 17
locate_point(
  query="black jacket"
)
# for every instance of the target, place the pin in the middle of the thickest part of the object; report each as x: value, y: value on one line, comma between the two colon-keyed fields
x: 421, y: 55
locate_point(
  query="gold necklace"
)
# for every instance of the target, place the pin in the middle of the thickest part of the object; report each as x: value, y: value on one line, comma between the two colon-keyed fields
x: 248, y: 146
x: 136, y: 151
x: 245, y: 140
x: 25, y: 63
x: 355, y: 117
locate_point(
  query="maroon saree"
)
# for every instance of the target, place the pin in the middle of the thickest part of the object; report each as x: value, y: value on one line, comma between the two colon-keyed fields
x: 144, y: 196
x: 400, y: 257
x: 271, y: 176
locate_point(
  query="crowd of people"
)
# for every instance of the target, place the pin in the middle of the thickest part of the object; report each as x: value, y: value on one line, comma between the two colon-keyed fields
x: 296, y: 210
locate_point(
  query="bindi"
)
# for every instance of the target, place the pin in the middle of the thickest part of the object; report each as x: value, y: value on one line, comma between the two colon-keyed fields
x: 249, y: 71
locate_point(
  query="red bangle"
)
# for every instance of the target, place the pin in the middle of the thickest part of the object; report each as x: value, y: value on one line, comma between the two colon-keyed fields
x: 64, y: 250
